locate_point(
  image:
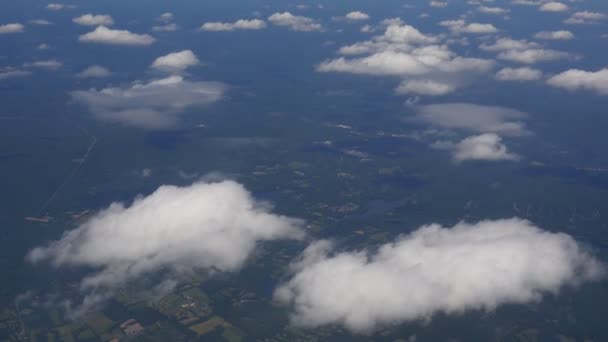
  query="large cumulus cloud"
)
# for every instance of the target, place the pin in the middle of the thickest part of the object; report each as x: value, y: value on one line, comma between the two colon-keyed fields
x: 176, y: 230
x: 434, y: 269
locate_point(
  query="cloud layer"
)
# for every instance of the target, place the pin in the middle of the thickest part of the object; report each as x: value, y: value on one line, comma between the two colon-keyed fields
x: 434, y: 269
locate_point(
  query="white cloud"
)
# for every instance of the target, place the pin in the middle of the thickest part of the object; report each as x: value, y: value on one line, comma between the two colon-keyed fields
x: 12, y: 73
x: 51, y: 64
x: 523, y: 51
x: 55, y: 7
x: 585, y: 17
x: 492, y: 10
x: 146, y: 172
x: 405, y: 34
x: 168, y: 27
x: 460, y: 26
x: 575, y: 79
x: 555, y: 35
x: 472, y: 117
x: 176, y: 61
x: 527, y: 2
x: 400, y: 63
x: 94, y: 71
x: 519, y: 74
x: 94, y: 20
x: 356, y: 16
x: 295, y: 22
x: 553, y: 7
x: 434, y: 270
x: 424, y: 87
x: 153, y: 105
x: 241, y: 24
x: 11, y: 28
x: 533, y: 56
x: 381, y: 63
x: 166, y: 17
x: 167, y: 24
x: 426, y: 66
x: 486, y: 146
x: 438, y: 4
x: 104, y: 35
x: 42, y: 22
x: 172, y: 232
x: 506, y: 44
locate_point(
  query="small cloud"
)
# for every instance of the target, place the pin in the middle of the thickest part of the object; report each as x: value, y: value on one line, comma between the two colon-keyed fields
x: 507, y: 44
x: 94, y: 71
x: 424, y: 87
x: 55, y: 7
x: 356, y: 16
x: 241, y: 24
x: 460, y: 26
x: 553, y: 7
x: 167, y: 24
x: 533, y: 56
x: 523, y: 51
x: 166, y: 17
x: 176, y: 61
x: 155, y: 105
x: 11, y: 28
x: 41, y: 22
x: 94, y: 20
x: 295, y: 22
x: 488, y: 147
x: 13, y: 73
x: 472, y: 117
x: 519, y: 74
x: 51, y: 64
x: 104, y: 35
x: 575, y: 79
x: 169, y: 27
x: 493, y: 10
x: 555, y: 35
x: 438, y: 4
x: 585, y: 17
